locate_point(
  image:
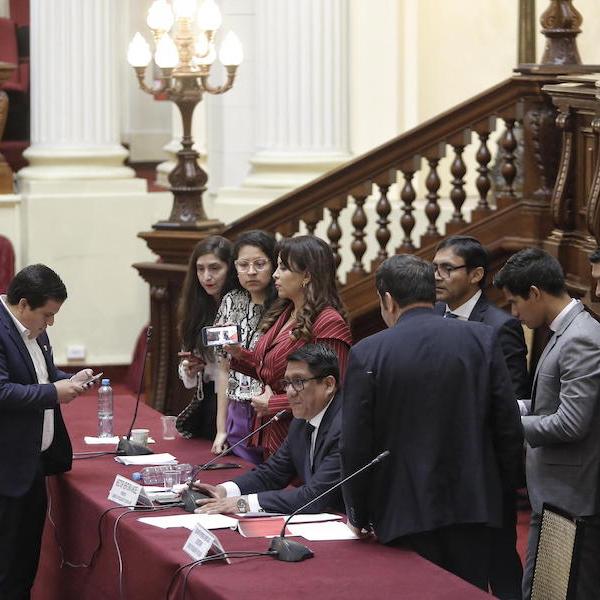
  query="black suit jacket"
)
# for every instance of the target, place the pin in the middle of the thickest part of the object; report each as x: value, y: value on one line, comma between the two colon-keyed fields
x: 291, y: 461
x: 22, y: 404
x: 510, y: 336
x: 436, y: 393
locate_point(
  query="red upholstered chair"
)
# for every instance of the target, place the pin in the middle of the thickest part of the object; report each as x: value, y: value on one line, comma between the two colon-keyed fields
x: 7, y: 263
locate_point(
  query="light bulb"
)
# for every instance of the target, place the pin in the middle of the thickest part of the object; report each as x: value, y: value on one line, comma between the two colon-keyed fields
x: 231, y: 52
x: 201, y: 46
x: 166, y: 55
x: 160, y: 16
x: 209, y: 59
x: 184, y: 9
x: 209, y: 16
x: 138, y: 52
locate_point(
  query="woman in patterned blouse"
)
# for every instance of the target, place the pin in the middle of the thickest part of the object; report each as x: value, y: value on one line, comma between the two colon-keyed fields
x: 308, y: 310
x: 253, y: 263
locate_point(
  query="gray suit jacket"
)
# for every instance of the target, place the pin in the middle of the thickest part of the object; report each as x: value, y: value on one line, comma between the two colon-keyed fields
x: 563, y: 430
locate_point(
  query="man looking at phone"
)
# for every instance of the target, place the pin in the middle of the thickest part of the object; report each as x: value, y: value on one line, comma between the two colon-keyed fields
x: 33, y: 438
x: 310, y: 452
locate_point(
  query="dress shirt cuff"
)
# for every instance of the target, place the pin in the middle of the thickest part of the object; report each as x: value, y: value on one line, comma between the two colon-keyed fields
x: 231, y: 489
x: 523, y: 407
x: 253, y: 503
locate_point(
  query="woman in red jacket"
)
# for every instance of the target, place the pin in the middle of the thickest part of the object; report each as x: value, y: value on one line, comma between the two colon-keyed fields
x: 308, y: 310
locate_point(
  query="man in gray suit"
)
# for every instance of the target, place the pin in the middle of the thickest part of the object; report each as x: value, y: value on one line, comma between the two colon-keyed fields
x: 561, y: 422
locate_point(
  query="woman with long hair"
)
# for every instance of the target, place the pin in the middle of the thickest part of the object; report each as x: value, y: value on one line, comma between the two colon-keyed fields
x: 206, y: 281
x: 253, y: 264
x: 308, y: 310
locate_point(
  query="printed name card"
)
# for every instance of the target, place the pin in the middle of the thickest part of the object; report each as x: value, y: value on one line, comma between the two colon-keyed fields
x: 200, y: 542
x: 128, y: 493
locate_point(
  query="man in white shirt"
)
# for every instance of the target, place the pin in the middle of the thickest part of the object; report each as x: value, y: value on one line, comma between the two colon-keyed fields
x: 33, y: 438
x: 561, y: 421
x: 310, y: 452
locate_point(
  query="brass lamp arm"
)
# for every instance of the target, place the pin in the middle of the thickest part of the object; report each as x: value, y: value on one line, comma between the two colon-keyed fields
x: 231, y: 70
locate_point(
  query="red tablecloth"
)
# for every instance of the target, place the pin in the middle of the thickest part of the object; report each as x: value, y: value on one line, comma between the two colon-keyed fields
x: 349, y: 570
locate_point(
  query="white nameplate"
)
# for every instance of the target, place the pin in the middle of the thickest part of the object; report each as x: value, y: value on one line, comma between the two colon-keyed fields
x: 128, y: 493
x: 199, y: 543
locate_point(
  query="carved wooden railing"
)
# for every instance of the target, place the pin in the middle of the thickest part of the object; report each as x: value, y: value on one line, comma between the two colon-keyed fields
x: 511, y: 164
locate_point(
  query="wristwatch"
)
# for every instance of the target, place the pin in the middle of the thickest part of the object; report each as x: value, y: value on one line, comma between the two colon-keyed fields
x: 242, y: 505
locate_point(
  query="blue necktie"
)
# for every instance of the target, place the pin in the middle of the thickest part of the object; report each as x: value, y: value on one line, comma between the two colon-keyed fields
x: 450, y: 315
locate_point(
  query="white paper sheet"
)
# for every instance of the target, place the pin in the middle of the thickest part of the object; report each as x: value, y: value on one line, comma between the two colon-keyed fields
x: 189, y: 521
x: 147, y: 459
x: 88, y: 439
x: 330, y: 530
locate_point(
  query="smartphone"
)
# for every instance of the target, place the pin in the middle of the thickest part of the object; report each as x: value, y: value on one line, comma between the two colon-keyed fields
x: 219, y: 335
x: 184, y: 354
x: 93, y: 379
x: 216, y: 466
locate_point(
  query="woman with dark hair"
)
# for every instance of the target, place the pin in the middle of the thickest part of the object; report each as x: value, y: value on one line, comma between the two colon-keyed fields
x: 206, y: 281
x: 308, y: 310
x: 253, y: 263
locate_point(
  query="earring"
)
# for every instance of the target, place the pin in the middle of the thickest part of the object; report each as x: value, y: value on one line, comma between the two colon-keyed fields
x: 304, y: 284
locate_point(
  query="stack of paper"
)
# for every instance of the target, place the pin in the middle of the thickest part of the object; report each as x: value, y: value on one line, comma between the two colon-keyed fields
x: 148, y: 459
x: 189, y: 521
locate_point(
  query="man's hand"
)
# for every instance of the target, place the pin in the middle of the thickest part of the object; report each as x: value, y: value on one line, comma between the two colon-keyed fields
x: 260, y: 404
x: 360, y: 532
x: 220, y: 443
x: 67, y: 390
x: 82, y: 376
x: 216, y: 491
x: 218, y: 506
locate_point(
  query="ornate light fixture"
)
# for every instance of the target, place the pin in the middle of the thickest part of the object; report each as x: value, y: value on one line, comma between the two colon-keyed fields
x: 185, y: 59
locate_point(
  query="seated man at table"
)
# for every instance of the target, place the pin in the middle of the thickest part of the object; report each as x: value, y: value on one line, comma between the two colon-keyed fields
x: 310, y: 452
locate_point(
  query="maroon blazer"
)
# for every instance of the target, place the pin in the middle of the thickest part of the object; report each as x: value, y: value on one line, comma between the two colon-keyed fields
x: 268, y: 361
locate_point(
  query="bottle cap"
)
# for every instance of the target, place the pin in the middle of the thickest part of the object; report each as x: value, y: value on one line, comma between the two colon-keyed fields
x: 136, y: 476
x: 106, y: 382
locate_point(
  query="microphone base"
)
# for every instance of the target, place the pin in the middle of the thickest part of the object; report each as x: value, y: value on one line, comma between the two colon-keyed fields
x: 126, y: 447
x: 189, y: 497
x: 289, y: 550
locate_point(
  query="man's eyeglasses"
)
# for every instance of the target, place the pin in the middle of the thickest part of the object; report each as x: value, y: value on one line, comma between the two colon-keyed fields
x: 445, y: 270
x: 243, y: 266
x: 297, y: 384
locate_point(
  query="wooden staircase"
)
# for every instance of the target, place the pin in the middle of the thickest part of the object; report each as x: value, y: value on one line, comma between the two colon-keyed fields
x: 416, y: 189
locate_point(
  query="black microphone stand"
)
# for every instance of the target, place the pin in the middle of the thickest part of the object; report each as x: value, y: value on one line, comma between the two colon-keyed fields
x: 125, y: 446
x: 292, y: 551
x: 189, y: 495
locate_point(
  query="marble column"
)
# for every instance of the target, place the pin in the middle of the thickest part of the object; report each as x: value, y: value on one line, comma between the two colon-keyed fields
x: 74, y: 112
x: 302, y: 91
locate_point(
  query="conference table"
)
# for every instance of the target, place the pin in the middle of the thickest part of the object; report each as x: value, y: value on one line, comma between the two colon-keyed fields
x: 150, y: 557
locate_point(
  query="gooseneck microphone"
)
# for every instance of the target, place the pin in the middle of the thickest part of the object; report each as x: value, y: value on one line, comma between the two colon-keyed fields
x: 292, y: 551
x: 189, y: 495
x: 126, y: 447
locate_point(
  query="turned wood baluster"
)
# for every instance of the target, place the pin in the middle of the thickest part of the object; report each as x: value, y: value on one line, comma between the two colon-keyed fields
x: 358, y: 245
x: 383, y: 209
x: 334, y: 233
x: 311, y: 219
x: 458, y: 194
x: 407, y: 220
x: 432, y: 208
x: 508, y: 168
x: 483, y: 181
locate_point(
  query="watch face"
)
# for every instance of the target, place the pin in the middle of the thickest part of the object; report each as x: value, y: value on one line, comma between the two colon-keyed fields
x: 242, y: 505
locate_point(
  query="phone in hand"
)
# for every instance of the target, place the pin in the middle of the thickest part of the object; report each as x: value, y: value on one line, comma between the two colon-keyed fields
x: 93, y: 379
x: 219, y: 335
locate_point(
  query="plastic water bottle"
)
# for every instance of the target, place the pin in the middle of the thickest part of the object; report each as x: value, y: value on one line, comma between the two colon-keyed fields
x: 154, y: 475
x: 105, y: 409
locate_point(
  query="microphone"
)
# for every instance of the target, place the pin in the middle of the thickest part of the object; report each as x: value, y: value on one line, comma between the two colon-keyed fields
x: 125, y: 446
x: 189, y: 495
x: 292, y: 551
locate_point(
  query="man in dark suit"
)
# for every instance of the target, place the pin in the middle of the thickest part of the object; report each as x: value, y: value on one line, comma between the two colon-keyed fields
x: 33, y: 438
x: 309, y: 453
x: 435, y: 392
x: 461, y: 265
